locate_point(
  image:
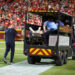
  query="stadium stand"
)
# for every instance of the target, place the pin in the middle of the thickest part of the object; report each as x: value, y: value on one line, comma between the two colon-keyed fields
x: 12, y: 11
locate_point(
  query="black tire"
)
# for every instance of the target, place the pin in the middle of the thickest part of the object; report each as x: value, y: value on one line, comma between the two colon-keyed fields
x: 31, y: 60
x: 65, y: 57
x: 73, y: 57
x: 38, y: 59
x: 60, y: 59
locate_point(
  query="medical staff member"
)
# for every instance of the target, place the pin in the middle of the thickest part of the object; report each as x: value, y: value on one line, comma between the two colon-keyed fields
x: 50, y: 24
x: 10, y: 42
x: 59, y: 22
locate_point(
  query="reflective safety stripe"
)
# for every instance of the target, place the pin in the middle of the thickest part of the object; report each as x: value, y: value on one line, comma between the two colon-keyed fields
x: 39, y: 51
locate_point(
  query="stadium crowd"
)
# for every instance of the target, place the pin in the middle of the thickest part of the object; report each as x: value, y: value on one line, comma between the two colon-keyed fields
x: 13, y: 12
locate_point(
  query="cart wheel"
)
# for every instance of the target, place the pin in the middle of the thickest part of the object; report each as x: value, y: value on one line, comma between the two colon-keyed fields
x: 73, y: 57
x: 65, y: 57
x: 60, y: 59
x: 38, y: 59
x: 31, y: 60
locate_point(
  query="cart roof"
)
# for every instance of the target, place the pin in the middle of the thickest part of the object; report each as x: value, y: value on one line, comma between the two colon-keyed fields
x: 44, y: 12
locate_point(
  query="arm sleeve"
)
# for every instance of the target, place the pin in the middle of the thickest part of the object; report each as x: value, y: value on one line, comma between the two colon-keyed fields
x: 45, y: 23
x: 61, y: 23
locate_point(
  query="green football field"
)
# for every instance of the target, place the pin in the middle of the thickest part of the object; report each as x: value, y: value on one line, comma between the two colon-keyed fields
x: 68, y: 69
x: 19, y: 56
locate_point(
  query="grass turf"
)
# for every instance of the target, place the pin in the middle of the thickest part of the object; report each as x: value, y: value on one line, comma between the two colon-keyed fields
x: 67, y: 69
x: 19, y: 56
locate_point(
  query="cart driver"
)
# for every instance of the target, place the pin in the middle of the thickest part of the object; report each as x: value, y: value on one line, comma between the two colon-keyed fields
x: 51, y: 25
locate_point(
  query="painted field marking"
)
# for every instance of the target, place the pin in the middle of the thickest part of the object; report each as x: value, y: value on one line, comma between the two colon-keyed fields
x: 23, y: 68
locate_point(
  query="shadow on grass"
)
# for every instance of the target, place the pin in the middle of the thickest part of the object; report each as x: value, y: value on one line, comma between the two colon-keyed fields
x: 46, y: 63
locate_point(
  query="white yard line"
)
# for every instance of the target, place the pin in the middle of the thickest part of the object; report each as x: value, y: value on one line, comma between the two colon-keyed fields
x: 15, y: 54
x: 15, y: 48
x: 16, y: 42
x: 23, y: 68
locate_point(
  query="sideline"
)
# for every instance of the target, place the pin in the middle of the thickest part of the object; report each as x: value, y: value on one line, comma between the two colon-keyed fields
x: 15, y: 48
x: 23, y: 68
x: 16, y: 42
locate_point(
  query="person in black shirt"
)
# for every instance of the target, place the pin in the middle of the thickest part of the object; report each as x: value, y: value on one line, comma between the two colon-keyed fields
x: 10, y: 42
